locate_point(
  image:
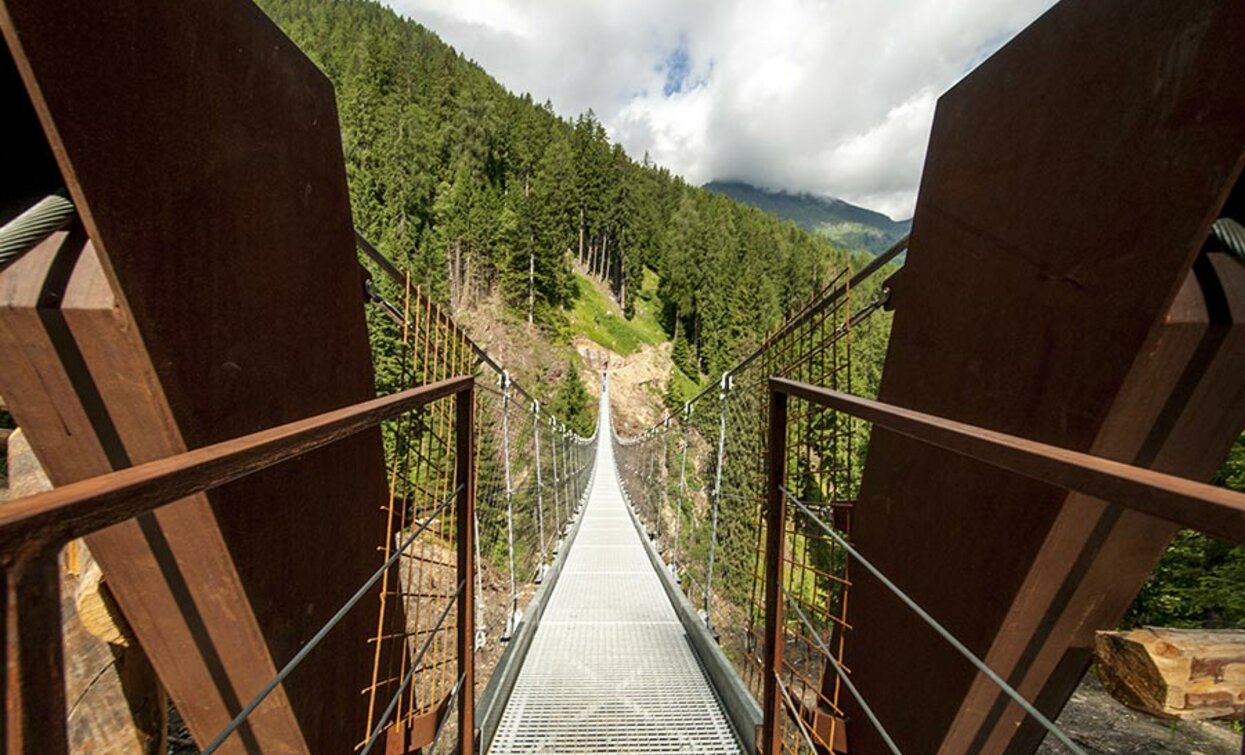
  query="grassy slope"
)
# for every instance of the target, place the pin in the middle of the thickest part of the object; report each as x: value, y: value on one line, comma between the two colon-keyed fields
x: 597, y: 317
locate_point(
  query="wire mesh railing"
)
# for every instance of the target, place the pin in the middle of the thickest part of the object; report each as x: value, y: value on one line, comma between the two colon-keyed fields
x: 1203, y: 507
x: 750, y: 496
x: 530, y: 471
x: 33, y: 530
x: 697, y: 480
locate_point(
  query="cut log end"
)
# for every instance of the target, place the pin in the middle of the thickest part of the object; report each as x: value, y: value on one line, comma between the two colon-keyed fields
x: 1175, y: 673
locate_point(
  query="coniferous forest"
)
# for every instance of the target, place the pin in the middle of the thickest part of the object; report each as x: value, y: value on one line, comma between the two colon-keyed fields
x: 480, y: 192
x: 476, y: 190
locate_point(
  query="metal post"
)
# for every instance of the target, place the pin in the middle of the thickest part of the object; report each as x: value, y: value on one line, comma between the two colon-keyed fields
x: 481, y: 626
x: 650, y: 482
x: 557, y: 498
x: 678, y: 522
x: 34, y: 685
x: 574, y: 467
x: 717, y: 496
x: 511, y: 620
x: 663, y: 474
x: 540, y: 496
x: 464, y: 461
x: 775, y: 521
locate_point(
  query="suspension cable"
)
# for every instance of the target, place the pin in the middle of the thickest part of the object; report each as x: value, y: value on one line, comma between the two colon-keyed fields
x: 937, y: 627
x: 328, y: 626
x: 36, y: 223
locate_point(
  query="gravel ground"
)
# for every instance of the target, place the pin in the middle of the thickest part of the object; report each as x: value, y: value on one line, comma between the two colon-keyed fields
x: 1100, y: 724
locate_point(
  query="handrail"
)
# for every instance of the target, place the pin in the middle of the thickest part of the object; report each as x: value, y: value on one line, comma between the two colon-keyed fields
x: 1216, y: 511
x: 33, y: 528
x: 33, y: 524
x: 1196, y: 505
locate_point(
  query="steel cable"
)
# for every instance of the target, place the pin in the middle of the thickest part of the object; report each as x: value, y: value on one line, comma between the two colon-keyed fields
x: 324, y: 630
x: 40, y: 220
x: 942, y: 631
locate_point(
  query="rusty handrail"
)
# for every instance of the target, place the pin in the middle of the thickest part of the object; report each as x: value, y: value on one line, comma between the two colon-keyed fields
x: 32, y: 529
x: 1195, y: 505
x: 46, y: 520
x: 1213, y: 510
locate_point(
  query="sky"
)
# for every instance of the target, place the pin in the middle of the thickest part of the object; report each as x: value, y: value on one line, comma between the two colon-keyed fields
x: 829, y: 97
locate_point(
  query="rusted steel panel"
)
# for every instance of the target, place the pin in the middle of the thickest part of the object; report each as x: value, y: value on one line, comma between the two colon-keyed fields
x: 75, y: 363
x: 202, y: 151
x: 1070, y: 182
x: 34, y: 688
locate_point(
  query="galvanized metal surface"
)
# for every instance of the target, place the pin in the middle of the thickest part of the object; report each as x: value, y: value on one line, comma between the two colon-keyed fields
x: 610, y: 669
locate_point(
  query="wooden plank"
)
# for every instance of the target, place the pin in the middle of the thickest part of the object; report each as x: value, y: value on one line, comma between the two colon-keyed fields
x: 1069, y: 184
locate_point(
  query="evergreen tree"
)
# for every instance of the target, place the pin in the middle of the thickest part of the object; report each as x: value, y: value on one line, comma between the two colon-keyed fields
x: 571, y: 402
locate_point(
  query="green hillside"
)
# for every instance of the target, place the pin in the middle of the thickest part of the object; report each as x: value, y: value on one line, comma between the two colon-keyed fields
x: 479, y: 191
x: 597, y: 317
x: 843, y: 222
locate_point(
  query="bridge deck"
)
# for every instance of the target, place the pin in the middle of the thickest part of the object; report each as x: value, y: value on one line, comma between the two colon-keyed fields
x: 610, y: 669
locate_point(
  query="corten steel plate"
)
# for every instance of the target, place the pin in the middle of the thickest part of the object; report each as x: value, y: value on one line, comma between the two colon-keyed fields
x: 1070, y: 182
x: 202, y: 150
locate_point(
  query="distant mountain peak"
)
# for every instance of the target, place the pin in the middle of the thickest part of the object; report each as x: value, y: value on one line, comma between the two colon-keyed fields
x: 841, y: 221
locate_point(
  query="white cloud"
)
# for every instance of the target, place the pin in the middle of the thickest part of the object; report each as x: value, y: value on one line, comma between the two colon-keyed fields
x: 833, y: 97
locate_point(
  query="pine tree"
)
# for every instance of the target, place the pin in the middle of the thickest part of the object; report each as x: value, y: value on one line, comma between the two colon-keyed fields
x: 571, y: 402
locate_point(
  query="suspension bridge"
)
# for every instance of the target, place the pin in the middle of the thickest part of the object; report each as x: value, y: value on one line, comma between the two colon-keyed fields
x: 294, y: 564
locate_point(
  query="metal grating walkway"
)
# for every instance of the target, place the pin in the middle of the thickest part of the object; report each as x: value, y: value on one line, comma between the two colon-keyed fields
x: 610, y: 669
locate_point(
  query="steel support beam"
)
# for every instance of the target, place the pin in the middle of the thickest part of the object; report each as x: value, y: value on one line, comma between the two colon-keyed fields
x: 1050, y: 292
x: 212, y: 291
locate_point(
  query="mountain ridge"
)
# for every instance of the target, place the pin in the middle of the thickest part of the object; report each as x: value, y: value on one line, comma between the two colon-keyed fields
x: 849, y: 225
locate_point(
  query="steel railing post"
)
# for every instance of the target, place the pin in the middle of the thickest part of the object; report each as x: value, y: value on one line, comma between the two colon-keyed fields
x: 464, y: 460
x: 540, y: 492
x: 511, y: 620
x: 678, y: 521
x: 717, y: 498
x: 34, y: 687
x: 559, y: 520
x: 775, y: 521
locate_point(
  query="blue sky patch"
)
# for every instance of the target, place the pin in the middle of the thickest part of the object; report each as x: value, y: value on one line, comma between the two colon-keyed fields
x: 677, y: 65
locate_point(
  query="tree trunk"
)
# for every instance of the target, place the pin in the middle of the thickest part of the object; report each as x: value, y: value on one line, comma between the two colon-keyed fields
x: 1175, y: 673
x: 605, y: 258
x: 531, y: 283
x: 456, y: 285
x: 581, y: 235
